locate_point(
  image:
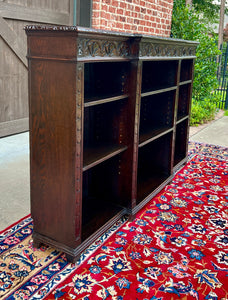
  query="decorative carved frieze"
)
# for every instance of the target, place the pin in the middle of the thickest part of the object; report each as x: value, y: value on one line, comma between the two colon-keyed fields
x: 154, y: 49
x: 103, y: 48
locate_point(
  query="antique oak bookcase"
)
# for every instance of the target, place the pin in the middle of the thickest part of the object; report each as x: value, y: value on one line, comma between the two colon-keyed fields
x: 109, y: 118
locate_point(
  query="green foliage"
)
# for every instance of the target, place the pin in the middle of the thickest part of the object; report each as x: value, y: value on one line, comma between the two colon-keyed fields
x: 186, y: 25
x: 208, y: 10
x: 205, y: 80
x: 226, y: 113
x: 203, y: 111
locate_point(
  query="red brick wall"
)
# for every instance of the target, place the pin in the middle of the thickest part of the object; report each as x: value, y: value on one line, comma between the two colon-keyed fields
x: 141, y: 16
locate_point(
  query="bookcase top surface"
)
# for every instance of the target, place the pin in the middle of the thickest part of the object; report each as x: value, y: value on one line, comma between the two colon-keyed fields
x: 94, y: 44
x: 90, y: 31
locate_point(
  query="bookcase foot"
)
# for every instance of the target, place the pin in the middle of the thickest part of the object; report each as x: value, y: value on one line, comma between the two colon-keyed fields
x: 36, y: 244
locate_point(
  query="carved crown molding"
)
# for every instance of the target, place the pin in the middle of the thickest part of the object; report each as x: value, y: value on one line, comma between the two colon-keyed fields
x: 103, y: 48
x: 50, y: 28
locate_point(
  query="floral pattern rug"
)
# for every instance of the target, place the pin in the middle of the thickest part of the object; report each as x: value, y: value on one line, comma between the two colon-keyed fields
x: 176, y: 248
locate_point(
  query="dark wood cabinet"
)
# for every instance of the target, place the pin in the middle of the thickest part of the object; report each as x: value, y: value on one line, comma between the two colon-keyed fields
x: 109, y: 118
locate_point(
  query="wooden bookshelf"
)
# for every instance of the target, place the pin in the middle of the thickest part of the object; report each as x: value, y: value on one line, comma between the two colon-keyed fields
x: 109, y: 117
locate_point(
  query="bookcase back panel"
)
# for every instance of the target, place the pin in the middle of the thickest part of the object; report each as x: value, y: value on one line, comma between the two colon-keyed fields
x: 105, y: 128
x: 158, y: 75
x: 181, y: 141
x: 154, y: 164
x: 156, y: 114
x: 186, y: 69
x: 183, y: 101
x: 101, y: 198
x: 104, y: 80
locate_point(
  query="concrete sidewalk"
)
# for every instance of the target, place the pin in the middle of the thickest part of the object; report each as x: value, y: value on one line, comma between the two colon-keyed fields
x: 14, y: 179
x: 14, y: 168
x: 216, y: 132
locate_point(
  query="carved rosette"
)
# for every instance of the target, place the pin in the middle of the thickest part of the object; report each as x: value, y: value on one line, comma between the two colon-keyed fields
x: 102, y: 48
x: 154, y: 49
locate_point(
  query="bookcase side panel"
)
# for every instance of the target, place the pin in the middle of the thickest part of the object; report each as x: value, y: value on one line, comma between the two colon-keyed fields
x: 53, y: 139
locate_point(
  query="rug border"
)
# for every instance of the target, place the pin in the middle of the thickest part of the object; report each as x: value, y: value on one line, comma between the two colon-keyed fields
x: 15, y: 223
x: 207, y: 144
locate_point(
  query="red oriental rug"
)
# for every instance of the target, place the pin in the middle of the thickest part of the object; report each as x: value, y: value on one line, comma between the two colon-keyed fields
x: 176, y: 248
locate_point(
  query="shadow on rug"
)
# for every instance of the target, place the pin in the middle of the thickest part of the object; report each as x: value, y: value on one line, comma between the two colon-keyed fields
x: 176, y: 248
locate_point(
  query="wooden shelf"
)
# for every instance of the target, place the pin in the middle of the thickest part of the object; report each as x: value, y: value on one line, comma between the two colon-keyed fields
x: 185, y: 82
x: 182, y: 118
x: 95, y: 101
x: 96, y: 214
x: 156, y: 115
x: 95, y: 155
x: 105, y: 131
x: 158, y: 91
x: 179, y: 163
x: 179, y: 158
x: 150, y: 136
x: 154, y: 164
x: 147, y: 185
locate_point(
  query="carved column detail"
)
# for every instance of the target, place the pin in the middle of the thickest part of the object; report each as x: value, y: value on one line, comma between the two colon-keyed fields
x: 79, y: 143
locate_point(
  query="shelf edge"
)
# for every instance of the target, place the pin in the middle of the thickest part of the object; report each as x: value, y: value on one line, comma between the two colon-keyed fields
x: 160, y: 91
x: 105, y: 100
x: 151, y: 195
x: 182, y: 119
x: 104, y: 158
x: 155, y: 137
x: 185, y: 82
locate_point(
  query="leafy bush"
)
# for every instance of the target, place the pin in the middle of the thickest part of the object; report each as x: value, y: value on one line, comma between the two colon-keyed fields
x: 186, y: 24
x: 202, y: 111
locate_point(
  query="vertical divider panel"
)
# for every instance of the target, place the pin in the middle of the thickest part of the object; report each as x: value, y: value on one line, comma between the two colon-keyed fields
x: 136, y: 83
x: 190, y: 99
x: 175, y: 114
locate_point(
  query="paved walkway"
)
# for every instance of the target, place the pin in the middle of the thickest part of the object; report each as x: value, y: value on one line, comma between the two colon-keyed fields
x: 216, y: 132
x: 14, y: 168
x: 14, y: 179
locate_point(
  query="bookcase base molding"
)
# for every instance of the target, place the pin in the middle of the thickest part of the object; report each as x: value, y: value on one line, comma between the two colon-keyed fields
x: 109, y: 121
